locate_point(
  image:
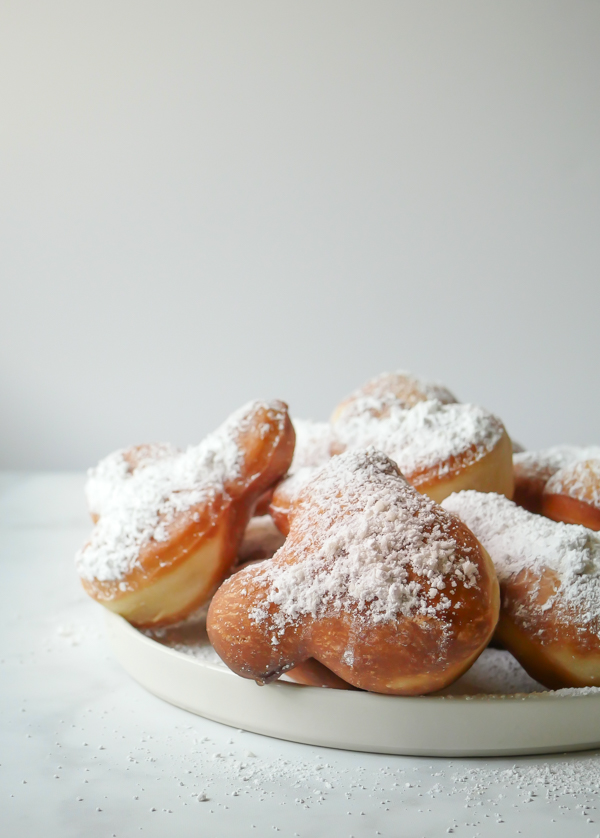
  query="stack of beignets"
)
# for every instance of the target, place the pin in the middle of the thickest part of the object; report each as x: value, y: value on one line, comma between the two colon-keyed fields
x: 357, y: 578
x: 440, y: 448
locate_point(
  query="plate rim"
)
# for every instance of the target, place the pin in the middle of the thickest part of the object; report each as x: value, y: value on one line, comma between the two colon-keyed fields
x: 546, y: 695
x: 429, y: 726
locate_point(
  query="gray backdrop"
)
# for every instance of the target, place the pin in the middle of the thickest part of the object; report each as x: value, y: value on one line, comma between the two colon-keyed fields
x: 205, y: 202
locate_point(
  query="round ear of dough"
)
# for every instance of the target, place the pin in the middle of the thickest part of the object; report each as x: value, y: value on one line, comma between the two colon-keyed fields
x: 171, y: 596
x: 110, y: 473
x: 571, y: 511
x: 374, y: 581
x: 534, y: 469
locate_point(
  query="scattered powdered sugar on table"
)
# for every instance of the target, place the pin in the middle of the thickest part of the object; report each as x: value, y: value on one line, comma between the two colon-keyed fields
x: 557, y: 778
x: 581, y: 481
x: 517, y: 539
x: 141, y: 508
x: 359, y: 537
x: 428, y: 436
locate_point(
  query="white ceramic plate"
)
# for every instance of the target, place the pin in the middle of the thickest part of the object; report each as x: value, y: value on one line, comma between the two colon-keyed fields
x: 466, y: 725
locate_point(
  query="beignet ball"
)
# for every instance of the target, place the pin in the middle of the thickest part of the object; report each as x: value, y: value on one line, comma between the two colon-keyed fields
x: 439, y: 448
x: 549, y: 577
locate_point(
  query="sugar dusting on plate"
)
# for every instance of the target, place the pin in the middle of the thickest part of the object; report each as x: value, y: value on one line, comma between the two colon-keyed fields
x: 495, y: 672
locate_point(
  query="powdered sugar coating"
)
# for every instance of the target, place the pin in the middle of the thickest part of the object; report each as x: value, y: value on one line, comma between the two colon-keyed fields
x: 103, y: 479
x: 403, y: 388
x: 431, y: 436
x: 548, y: 461
x: 517, y: 539
x: 363, y: 539
x: 141, y: 508
x: 581, y: 481
x: 313, y: 443
x: 293, y: 484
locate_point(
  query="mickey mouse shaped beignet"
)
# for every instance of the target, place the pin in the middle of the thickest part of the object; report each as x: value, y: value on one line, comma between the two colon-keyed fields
x: 169, y: 534
x: 375, y: 581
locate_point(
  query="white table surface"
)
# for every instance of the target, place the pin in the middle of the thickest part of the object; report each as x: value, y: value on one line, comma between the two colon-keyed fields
x: 84, y: 750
